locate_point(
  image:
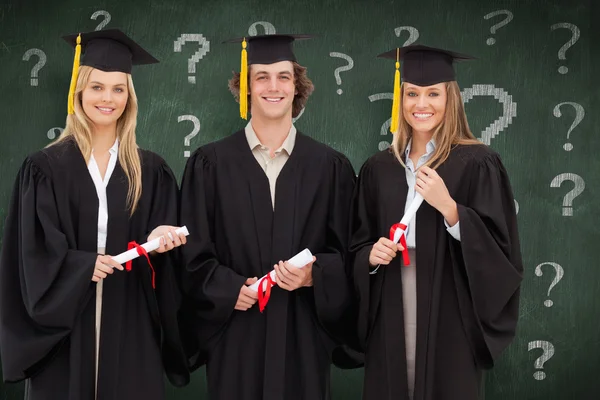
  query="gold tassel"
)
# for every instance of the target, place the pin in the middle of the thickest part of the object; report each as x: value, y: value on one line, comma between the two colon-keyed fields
x: 74, y: 74
x: 244, y: 82
x: 396, y: 98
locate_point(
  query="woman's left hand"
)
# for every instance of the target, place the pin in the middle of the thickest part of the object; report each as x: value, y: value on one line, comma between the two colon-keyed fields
x: 166, y: 243
x: 433, y: 189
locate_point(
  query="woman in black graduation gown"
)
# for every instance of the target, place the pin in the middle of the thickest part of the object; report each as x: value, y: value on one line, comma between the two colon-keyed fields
x: 430, y: 327
x: 69, y: 325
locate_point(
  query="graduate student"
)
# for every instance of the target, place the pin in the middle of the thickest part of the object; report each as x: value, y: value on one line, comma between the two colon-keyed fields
x: 73, y: 322
x: 437, y: 311
x: 255, y: 199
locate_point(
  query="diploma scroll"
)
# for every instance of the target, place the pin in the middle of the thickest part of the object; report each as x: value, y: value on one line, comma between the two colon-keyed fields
x: 298, y: 261
x: 148, y: 246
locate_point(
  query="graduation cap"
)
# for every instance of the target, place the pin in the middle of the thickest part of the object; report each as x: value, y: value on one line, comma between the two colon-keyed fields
x: 422, y: 66
x: 108, y: 50
x: 263, y: 49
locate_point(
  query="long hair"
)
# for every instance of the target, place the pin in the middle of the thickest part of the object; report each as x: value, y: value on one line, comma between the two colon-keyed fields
x: 304, y: 88
x: 78, y: 128
x: 453, y: 130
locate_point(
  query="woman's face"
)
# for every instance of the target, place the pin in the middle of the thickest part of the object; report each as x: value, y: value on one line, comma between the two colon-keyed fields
x: 104, y: 97
x: 424, y: 107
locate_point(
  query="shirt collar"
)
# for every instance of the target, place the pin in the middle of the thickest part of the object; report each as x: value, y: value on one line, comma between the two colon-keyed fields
x: 115, y: 147
x: 429, y: 148
x: 253, y: 141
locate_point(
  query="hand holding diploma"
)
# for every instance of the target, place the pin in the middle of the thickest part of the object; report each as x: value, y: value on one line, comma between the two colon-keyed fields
x: 265, y: 283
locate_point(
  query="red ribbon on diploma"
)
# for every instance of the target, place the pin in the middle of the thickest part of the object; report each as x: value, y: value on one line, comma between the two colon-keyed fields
x: 142, y: 252
x: 263, y: 299
x: 405, y: 257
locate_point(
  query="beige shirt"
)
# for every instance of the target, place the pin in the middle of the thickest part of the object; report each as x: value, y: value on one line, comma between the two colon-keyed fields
x: 271, y: 166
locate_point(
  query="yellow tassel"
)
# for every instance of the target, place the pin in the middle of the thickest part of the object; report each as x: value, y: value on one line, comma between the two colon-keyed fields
x: 244, y: 82
x: 74, y: 74
x: 396, y: 98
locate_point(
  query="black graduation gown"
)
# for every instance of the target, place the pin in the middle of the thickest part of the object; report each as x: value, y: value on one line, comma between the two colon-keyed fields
x: 467, y: 291
x: 47, y: 298
x: 284, y: 353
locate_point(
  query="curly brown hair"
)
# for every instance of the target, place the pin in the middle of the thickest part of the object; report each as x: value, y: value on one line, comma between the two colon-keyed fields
x: 304, y: 88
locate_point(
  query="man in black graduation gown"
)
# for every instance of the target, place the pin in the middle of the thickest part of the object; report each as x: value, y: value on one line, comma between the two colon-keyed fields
x: 254, y: 199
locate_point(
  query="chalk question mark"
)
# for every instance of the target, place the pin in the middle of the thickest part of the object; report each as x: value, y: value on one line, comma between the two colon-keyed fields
x: 579, y: 114
x: 413, y: 34
x: 575, y: 33
x: 267, y: 26
x: 52, y: 132
x: 337, y: 71
x: 494, y: 28
x: 104, y: 22
x: 386, y: 125
x: 509, y: 108
x: 548, y: 349
x: 560, y: 272
x: 36, y: 68
x: 567, y: 210
x: 186, y: 140
x: 198, y: 55
x: 299, y: 115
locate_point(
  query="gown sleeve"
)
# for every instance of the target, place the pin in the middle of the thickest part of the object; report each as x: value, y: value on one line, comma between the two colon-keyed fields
x: 167, y: 266
x: 364, y: 234
x: 332, y: 289
x: 487, y: 261
x: 210, y: 288
x: 44, y: 285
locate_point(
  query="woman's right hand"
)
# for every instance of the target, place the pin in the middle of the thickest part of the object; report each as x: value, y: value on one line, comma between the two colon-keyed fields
x: 105, y: 265
x: 383, y: 252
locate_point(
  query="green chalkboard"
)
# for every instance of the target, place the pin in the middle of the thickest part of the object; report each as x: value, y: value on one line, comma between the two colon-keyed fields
x: 519, y: 99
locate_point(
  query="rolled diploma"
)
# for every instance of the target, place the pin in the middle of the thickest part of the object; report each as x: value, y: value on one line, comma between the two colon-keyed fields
x: 408, y: 215
x: 148, y: 246
x: 298, y: 261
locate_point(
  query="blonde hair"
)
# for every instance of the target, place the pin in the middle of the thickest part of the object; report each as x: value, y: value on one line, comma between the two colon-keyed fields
x: 453, y: 130
x: 78, y: 127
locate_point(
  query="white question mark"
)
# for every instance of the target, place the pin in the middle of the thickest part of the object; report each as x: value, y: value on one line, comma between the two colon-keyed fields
x: 386, y: 125
x: 574, y: 37
x: 106, y: 20
x: 36, y: 68
x: 548, y: 349
x: 267, y: 26
x: 337, y: 71
x: 579, y: 114
x: 204, y: 49
x: 52, y: 132
x: 413, y: 34
x: 494, y: 28
x: 560, y: 272
x: 516, y: 208
x: 186, y: 140
x: 567, y: 210
x: 508, y: 106
x: 299, y: 115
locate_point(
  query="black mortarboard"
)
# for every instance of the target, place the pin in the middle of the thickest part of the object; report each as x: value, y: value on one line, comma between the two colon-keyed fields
x: 263, y: 49
x: 421, y: 66
x: 270, y: 49
x: 109, y: 50
x: 425, y: 66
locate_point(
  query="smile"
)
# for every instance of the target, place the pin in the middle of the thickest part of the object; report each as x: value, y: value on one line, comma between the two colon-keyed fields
x: 105, y: 110
x: 273, y: 100
x: 422, y: 116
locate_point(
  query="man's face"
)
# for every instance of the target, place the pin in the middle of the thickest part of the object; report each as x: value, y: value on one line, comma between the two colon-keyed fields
x: 272, y: 90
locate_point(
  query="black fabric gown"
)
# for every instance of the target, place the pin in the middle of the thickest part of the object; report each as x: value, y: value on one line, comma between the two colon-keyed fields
x: 467, y: 290
x: 47, y: 298
x: 286, y: 352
